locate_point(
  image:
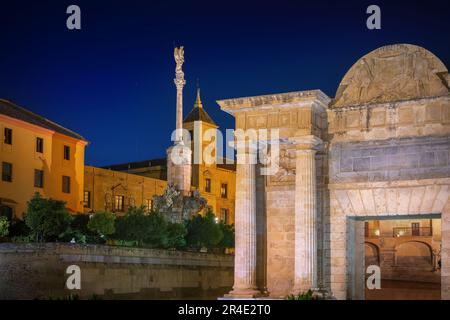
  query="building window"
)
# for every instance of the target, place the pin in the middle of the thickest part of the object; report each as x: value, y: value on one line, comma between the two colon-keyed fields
x: 148, y: 205
x: 38, y: 178
x: 87, y: 199
x: 207, y: 185
x: 66, y: 153
x: 224, y: 190
x: 40, y: 145
x: 7, y: 171
x: 118, y: 203
x: 66, y: 184
x: 415, y: 229
x: 8, y: 136
x: 224, y: 215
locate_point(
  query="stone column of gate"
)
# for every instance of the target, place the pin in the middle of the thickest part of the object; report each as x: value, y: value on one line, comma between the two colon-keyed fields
x: 305, y: 270
x: 245, y: 226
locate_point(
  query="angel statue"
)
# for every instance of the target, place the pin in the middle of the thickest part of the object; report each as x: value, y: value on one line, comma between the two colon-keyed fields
x: 179, y: 57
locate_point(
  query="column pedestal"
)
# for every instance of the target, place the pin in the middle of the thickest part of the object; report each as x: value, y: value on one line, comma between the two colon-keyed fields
x: 179, y: 168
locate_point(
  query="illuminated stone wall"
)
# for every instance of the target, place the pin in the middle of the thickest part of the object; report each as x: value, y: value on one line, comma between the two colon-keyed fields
x: 32, y: 271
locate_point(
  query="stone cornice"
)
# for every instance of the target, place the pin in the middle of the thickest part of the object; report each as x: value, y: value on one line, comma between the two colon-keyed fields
x: 387, y: 184
x: 309, y: 142
x: 284, y: 100
x: 394, y: 104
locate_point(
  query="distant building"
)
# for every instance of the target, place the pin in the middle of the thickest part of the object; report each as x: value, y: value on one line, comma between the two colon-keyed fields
x: 38, y: 155
x: 407, y: 249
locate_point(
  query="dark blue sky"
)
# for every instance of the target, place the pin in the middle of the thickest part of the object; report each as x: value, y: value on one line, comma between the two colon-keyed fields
x: 112, y: 81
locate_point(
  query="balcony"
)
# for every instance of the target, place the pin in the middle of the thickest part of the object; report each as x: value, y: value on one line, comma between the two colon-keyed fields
x: 400, y: 232
x: 412, y: 232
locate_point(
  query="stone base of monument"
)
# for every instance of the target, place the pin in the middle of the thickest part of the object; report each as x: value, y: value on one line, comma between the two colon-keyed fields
x: 244, y: 295
x: 179, y: 169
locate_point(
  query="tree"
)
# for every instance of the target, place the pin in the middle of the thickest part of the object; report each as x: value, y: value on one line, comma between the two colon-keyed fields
x: 176, y: 233
x: 228, y: 236
x: 102, y: 223
x: 46, y: 218
x: 157, y: 230
x: 133, y: 226
x: 4, y: 226
x: 203, y: 231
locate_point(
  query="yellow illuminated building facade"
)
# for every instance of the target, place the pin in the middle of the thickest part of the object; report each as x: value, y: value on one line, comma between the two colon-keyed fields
x: 38, y: 155
x: 116, y: 191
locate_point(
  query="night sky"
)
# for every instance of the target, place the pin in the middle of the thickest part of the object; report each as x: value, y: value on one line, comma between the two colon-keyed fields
x: 112, y: 81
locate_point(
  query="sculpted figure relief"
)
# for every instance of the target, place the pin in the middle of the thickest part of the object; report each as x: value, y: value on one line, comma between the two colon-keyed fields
x: 286, y: 165
x: 392, y: 73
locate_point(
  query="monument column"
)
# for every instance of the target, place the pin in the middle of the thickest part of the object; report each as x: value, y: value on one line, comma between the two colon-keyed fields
x: 245, y: 224
x: 179, y: 83
x: 179, y: 155
x: 305, y: 273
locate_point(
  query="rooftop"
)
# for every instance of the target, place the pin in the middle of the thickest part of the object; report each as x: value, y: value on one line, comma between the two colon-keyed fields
x: 12, y: 110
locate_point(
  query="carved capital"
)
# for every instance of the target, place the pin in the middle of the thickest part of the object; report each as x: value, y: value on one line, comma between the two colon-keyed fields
x: 307, y: 143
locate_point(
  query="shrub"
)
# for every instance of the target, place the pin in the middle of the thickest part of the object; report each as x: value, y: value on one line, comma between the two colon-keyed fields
x: 176, y: 233
x: 133, y: 226
x: 46, y: 218
x: 203, y: 231
x: 157, y: 230
x: 80, y: 223
x: 18, y: 228
x: 4, y: 226
x: 308, y: 295
x: 228, y: 236
x: 102, y: 223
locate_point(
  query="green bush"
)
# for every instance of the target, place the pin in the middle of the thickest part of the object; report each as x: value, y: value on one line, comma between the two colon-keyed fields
x: 80, y: 223
x: 157, y: 231
x: 102, y: 223
x: 46, y: 218
x: 176, y: 233
x: 308, y: 295
x: 228, y: 236
x: 18, y: 228
x: 133, y: 226
x: 23, y: 239
x: 4, y: 226
x: 203, y: 232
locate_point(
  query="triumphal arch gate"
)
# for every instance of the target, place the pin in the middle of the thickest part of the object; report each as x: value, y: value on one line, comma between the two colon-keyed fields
x: 379, y: 149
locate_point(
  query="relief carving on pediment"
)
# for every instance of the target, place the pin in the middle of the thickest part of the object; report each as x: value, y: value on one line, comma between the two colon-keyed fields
x: 393, y: 73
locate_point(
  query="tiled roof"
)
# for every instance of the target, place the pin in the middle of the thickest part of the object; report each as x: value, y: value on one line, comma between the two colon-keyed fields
x: 199, y: 114
x: 12, y: 110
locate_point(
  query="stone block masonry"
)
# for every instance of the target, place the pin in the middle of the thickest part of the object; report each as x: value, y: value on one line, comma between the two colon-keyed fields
x: 30, y: 271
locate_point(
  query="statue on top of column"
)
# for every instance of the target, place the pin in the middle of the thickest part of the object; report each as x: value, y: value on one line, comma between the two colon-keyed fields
x: 179, y: 57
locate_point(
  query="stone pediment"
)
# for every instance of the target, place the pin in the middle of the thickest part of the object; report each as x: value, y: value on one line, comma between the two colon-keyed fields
x: 393, y: 73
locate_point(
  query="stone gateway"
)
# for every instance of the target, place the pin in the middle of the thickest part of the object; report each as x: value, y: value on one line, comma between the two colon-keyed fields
x: 378, y: 150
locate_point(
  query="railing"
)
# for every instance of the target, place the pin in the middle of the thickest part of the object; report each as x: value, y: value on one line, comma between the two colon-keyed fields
x: 412, y: 232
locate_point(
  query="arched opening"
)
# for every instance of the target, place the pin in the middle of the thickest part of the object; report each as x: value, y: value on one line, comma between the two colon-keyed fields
x: 372, y: 254
x: 414, y: 253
